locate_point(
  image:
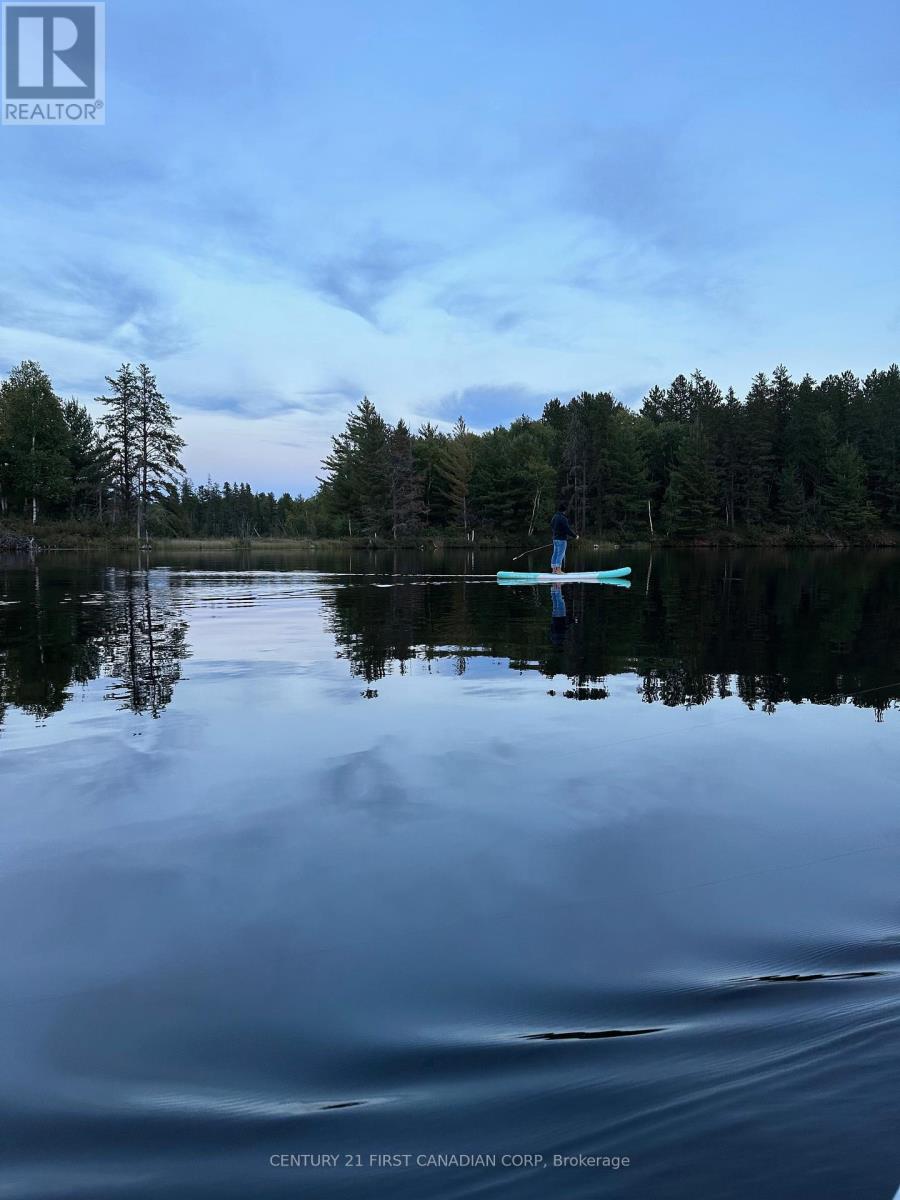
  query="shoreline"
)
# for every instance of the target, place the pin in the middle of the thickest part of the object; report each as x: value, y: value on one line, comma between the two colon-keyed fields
x: 882, y: 540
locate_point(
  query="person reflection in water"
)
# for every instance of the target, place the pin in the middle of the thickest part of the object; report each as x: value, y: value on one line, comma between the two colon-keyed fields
x: 559, y: 621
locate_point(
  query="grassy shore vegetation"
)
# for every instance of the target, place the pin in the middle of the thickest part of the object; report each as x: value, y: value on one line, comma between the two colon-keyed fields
x: 792, y: 461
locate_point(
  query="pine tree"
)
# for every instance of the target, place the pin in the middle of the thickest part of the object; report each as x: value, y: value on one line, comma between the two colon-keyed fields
x: 554, y: 415
x: 157, y: 446
x: 729, y: 429
x: 406, y: 486
x: 839, y: 397
x: 357, y: 472
x: 593, y: 415
x: 691, y: 501
x: 574, y: 481
x: 878, y: 440
x: 654, y: 408
x: 456, y: 466
x: 120, y: 436
x: 791, y: 497
x: 501, y: 495
x: 705, y: 398
x: 34, y: 440
x: 660, y: 446
x: 784, y: 392
x: 428, y: 450
x: 88, y: 460
x: 533, y: 463
x: 758, y: 457
x: 846, y: 506
x: 626, y: 488
x: 679, y: 403
x: 809, y: 441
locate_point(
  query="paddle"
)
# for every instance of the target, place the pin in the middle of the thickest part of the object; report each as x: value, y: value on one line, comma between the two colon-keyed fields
x: 534, y: 550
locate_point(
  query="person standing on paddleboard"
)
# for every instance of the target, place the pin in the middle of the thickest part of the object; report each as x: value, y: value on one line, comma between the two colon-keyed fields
x: 562, y: 531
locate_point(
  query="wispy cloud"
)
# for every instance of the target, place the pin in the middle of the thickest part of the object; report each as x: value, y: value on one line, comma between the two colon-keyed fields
x: 95, y: 303
x: 251, y: 406
x: 493, y: 308
x: 259, y: 403
x: 339, y: 395
x: 362, y: 277
x: 652, y: 185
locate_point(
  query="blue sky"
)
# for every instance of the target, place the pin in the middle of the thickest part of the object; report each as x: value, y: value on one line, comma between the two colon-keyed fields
x: 456, y: 208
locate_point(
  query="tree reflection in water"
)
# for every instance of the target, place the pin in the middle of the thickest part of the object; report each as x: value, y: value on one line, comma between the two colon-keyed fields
x: 56, y: 633
x: 146, y: 642
x: 769, y: 627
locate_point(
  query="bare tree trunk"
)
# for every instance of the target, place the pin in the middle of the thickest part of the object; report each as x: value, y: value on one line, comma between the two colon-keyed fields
x: 33, y: 498
x: 142, y: 482
x: 537, y: 496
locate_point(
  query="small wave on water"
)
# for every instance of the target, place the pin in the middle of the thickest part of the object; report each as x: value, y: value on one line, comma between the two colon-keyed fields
x: 583, y: 1035
x: 235, y: 1106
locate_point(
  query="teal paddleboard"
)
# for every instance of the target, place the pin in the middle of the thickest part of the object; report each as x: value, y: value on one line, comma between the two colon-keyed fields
x: 567, y: 577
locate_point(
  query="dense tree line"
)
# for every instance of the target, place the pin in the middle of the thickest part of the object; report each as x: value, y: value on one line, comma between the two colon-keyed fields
x: 801, y: 457
x: 123, y: 471
x: 234, y: 510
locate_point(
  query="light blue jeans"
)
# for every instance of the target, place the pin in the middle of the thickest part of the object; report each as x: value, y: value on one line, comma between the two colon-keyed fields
x: 559, y: 552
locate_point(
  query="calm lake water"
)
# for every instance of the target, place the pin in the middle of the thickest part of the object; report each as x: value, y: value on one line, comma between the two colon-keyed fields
x: 367, y: 855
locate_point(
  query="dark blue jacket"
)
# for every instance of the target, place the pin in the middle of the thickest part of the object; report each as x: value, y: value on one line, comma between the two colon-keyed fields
x: 562, y: 530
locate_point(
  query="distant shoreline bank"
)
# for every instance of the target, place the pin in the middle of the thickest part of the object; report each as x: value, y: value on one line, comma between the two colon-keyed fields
x: 729, y: 540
